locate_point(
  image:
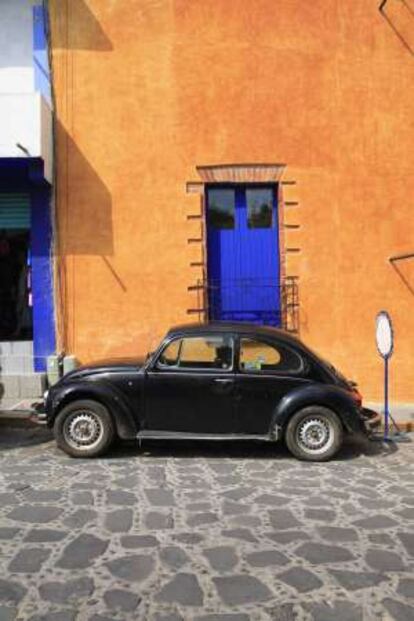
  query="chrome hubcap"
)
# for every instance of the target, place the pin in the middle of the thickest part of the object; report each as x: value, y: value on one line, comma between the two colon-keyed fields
x: 315, y: 435
x: 83, y: 430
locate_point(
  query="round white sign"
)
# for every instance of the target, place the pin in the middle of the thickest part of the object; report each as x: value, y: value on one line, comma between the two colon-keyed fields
x: 384, y: 334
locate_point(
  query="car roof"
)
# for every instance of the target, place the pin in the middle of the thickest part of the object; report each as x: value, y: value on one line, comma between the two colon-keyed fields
x: 249, y: 329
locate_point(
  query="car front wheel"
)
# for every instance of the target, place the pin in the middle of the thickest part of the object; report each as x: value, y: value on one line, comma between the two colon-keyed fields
x: 84, y: 429
x: 314, y: 434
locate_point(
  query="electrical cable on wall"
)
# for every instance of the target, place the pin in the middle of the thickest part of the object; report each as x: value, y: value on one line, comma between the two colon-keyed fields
x: 59, y: 266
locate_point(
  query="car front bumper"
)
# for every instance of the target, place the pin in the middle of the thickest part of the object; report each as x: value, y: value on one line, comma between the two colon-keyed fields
x: 39, y: 415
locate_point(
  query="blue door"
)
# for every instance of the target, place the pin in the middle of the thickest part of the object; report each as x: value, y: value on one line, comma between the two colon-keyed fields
x: 243, y: 253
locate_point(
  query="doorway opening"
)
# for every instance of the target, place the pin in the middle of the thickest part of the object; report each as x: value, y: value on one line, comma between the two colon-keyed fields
x: 16, y: 320
x: 243, y: 258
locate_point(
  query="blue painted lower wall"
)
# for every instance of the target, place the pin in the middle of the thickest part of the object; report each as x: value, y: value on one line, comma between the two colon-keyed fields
x: 26, y: 175
x: 44, y: 337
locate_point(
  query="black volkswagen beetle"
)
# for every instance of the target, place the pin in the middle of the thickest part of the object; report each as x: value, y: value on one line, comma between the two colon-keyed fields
x: 215, y: 381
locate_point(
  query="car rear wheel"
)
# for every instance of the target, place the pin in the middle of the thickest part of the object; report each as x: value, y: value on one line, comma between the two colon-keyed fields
x: 84, y: 429
x: 314, y: 434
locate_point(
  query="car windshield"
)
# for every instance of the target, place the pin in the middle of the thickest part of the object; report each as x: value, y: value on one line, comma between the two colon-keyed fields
x: 199, y: 352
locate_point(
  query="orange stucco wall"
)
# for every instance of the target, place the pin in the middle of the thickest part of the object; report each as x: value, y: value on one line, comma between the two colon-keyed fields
x: 146, y: 90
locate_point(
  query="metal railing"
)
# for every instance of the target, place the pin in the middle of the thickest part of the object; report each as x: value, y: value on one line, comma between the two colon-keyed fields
x: 252, y: 300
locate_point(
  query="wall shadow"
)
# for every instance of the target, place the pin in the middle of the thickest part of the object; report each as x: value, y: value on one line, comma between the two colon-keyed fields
x: 84, y: 203
x: 14, y: 436
x: 86, y: 32
x: 400, y: 18
x: 407, y: 279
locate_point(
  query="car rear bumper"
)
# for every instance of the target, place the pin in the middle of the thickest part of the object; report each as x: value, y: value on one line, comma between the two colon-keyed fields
x: 370, y: 420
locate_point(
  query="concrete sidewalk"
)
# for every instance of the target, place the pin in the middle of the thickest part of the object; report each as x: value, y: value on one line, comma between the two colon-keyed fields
x: 402, y: 413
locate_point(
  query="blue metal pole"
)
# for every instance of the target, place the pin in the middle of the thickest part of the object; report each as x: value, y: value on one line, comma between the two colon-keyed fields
x: 386, y: 409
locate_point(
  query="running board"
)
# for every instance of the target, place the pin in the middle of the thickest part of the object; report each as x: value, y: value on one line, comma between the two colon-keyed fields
x: 178, y: 435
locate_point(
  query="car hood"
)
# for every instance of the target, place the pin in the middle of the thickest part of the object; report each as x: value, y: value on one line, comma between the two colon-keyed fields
x: 110, y: 365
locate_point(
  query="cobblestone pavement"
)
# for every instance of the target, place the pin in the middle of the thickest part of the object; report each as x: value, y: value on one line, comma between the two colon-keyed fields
x: 205, y: 532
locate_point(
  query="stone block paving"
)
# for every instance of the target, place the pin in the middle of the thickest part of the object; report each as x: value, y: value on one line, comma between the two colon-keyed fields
x: 205, y: 532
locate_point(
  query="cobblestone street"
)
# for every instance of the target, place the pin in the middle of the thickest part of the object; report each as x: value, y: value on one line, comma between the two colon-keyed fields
x: 207, y: 533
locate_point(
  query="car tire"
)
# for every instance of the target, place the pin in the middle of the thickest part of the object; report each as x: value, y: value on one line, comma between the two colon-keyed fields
x: 84, y: 428
x: 314, y: 433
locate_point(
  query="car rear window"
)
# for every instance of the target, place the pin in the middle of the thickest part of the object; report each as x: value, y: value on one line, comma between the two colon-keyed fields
x: 257, y: 356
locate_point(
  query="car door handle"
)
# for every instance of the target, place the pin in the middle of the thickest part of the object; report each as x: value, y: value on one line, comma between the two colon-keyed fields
x: 224, y: 380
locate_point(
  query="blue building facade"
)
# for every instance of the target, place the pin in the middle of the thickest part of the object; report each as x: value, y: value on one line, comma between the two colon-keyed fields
x: 27, y: 324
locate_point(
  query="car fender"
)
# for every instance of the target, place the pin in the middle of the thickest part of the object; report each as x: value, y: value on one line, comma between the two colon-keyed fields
x: 125, y: 423
x: 329, y: 396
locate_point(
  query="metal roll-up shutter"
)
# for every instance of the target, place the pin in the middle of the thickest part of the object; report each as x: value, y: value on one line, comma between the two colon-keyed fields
x: 14, y: 211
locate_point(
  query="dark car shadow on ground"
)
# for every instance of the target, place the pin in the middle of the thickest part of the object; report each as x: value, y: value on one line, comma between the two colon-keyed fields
x: 15, y: 437
x: 360, y: 445
x: 353, y: 448
x: 19, y: 436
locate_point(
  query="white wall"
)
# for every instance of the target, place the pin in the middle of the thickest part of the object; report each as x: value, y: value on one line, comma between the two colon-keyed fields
x: 16, y: 46
x: 46, y: 137
x: 26, y: 119
x: 25, y: 116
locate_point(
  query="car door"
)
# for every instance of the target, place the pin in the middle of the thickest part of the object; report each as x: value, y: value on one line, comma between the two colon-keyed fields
x: 190, y: 386
x: 266, y: 371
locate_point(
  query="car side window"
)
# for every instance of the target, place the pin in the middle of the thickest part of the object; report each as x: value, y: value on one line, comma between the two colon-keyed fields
x: 256, y: 356
x: 169, y: 355
x: 199, y: 352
